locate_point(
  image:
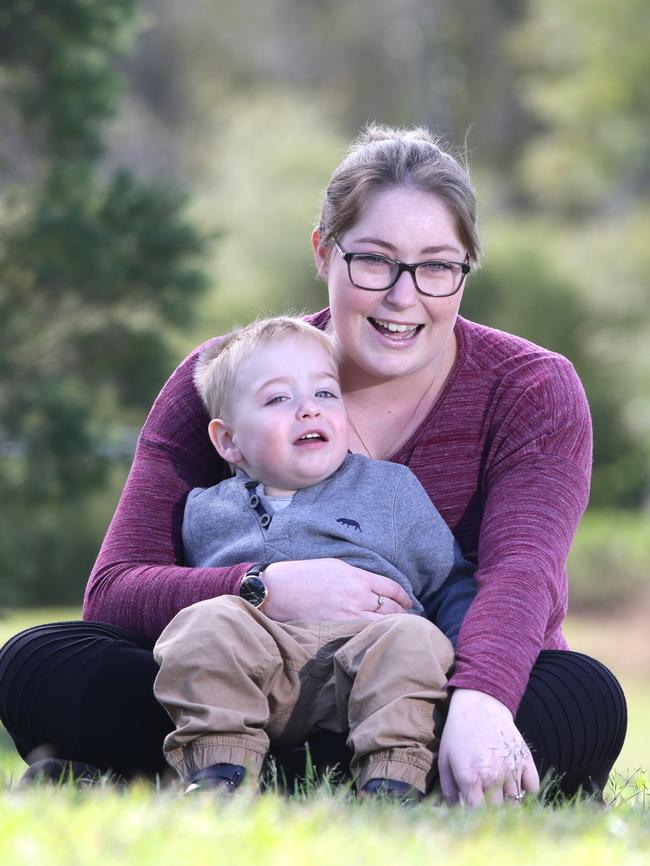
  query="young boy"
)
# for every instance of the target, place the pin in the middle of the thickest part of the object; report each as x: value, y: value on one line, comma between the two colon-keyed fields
x: 232, y: 679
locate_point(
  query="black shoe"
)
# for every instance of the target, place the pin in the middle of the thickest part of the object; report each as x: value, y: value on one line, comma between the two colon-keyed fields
x: 220, y: 778
x: 391, y: 789
x: 56, y: 771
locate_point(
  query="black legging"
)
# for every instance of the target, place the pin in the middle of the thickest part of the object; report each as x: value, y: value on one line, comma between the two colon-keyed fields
x: 84, y: 691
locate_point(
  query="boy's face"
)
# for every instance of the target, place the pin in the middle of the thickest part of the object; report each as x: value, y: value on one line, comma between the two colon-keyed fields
x: 287, y: 426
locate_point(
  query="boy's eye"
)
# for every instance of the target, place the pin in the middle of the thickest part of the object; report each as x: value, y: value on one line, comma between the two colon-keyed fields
x: 324, y: 392
x: 280, y: 398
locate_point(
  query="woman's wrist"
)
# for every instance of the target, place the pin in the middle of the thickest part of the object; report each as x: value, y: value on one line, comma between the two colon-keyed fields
x: 469, y: 699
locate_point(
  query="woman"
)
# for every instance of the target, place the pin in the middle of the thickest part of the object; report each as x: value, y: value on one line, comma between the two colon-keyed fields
x: 496, y: 429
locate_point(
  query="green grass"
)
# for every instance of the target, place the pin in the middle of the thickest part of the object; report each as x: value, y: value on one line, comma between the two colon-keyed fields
x: 52, y: 827
x: 13, y: 621
x: 66, y: 827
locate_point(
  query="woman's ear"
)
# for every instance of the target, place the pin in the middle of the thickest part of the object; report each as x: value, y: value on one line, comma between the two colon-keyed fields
x: 223, y: 440
x: 321, y: 253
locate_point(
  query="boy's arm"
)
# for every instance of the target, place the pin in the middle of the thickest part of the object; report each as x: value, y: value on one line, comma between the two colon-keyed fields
x: 428, y: 554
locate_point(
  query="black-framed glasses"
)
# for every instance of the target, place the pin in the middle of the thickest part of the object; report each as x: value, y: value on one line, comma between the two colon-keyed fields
x: 436, y: 278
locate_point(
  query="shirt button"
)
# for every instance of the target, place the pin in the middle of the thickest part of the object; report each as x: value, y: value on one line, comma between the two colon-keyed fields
x: 264, y: 521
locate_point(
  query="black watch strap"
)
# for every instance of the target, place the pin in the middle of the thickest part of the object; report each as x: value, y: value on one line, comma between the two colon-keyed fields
x: 252, y: 588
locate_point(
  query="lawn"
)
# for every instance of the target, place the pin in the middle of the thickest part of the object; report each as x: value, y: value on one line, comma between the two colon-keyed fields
x: 62, y: 826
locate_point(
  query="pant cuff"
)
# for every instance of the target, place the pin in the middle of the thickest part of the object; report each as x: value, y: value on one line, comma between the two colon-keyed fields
x: 206, y: 751
x: 389, y: 766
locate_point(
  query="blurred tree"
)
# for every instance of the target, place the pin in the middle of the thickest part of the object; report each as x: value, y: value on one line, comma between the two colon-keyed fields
x: 586, y: 67
x: 526, y: 288
x: 273, y: 153
x: 443, y: 64
x: 95, y: 269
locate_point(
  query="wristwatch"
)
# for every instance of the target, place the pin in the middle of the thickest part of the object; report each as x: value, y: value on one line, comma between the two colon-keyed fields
x: 252, y: 588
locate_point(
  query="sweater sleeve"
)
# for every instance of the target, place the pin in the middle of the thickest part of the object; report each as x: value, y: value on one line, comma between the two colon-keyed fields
x: 536, y: 487
x: 139, y: 581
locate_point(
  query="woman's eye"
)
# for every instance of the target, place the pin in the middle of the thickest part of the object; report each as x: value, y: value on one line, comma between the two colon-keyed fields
x: 368, y: 260
x: 436, y: 267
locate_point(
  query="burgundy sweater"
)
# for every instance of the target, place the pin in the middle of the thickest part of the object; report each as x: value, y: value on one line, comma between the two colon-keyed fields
x: 505, y: 456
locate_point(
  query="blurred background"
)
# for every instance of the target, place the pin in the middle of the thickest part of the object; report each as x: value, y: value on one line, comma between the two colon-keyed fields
x: 161, y: 165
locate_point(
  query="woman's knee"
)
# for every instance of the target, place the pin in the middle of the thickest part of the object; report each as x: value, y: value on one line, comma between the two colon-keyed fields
x: 574, y: 716
x: 578, y: 683
x: 43, y: 648
x: 57, y: 682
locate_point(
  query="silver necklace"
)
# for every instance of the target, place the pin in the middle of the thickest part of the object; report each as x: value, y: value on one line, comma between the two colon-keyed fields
x: 410, y: 417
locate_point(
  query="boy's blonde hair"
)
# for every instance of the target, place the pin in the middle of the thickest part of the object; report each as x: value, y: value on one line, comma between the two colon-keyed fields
x: 216, y: 369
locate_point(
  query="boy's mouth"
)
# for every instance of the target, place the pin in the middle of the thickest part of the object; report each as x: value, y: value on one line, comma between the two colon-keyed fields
x: 395, y: 330
x: 311, y: 436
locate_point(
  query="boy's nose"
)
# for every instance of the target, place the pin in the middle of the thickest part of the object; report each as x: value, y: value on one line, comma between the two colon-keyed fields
x: 308, y: 409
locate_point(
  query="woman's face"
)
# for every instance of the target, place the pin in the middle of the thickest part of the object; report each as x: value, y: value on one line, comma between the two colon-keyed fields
x: 412, y: 226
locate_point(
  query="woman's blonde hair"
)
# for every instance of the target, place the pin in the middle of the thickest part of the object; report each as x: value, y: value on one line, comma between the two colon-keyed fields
x: 217, y: 366
x: 383, y: 157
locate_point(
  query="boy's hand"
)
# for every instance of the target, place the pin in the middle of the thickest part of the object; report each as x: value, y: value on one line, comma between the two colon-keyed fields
x: 319, y: 589
x: 483, y: 757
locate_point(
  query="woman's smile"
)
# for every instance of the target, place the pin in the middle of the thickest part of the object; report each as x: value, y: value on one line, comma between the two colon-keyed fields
x: 395, y: 333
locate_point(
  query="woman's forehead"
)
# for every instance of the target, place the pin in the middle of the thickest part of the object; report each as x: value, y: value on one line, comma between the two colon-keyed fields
x: 406, y: 215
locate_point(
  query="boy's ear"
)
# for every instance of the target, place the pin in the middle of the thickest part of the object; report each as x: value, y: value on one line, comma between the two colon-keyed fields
x: 222, y: 438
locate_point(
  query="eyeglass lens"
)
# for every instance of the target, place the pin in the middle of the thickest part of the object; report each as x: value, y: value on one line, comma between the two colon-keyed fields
x: 375, y: 272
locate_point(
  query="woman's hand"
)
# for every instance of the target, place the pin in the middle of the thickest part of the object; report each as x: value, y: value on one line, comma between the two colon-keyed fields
x: 483, y: 757
x: 318, y: 589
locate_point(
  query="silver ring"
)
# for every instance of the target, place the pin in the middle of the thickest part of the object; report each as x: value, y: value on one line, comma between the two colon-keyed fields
x: 518, y: 797
x: 380, y: 601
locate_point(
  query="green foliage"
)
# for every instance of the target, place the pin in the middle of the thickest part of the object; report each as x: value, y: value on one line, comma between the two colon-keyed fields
x: 586, y: 67
x: 95, y: 270
x: 259, y: 192
x: 48, y: 546
x: 529, y: 287
x: 56, y: 53
x: 609, y: 563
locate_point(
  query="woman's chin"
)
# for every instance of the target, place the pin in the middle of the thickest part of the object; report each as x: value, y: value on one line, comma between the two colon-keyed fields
x: 387, y: 364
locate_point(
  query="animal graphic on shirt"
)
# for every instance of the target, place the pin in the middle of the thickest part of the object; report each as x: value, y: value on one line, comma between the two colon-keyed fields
x: 347, y: 521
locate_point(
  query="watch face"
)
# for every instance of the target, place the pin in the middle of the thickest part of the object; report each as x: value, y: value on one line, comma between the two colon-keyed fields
x: 253, y: 589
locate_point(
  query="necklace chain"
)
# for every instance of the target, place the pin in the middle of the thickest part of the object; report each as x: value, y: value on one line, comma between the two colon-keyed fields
x: 410, y: 417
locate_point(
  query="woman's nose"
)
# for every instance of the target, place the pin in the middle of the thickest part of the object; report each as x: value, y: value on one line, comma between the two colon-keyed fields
x: 403, y: 294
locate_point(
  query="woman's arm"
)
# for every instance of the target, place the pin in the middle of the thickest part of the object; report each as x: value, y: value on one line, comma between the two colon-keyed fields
x: 139, y: 581
x: 536, y: 487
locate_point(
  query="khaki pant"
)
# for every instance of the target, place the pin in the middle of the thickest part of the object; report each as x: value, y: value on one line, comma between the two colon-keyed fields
x: 234, y: 682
